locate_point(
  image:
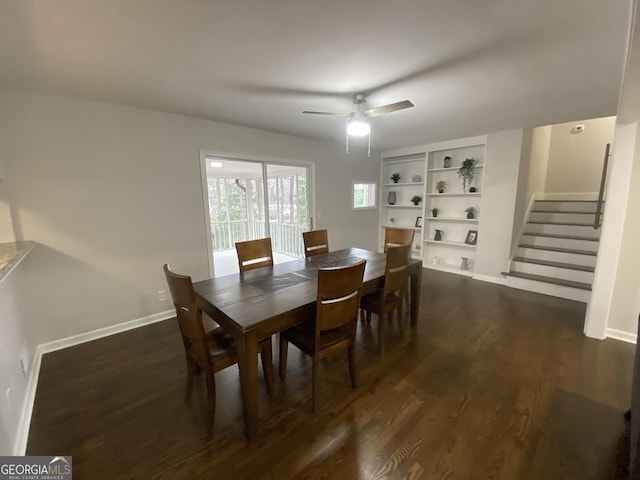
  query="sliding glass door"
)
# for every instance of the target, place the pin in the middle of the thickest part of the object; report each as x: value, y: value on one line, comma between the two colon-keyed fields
x: 248, y: 200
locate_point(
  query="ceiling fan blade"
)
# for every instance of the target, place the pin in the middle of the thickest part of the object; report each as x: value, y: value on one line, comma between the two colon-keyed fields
x: 392, y: 107
x: 332, y: 114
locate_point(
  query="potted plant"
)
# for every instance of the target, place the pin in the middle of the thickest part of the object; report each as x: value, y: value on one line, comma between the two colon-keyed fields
x: 416, y: 199
x: 467, y: 171
x: 395, y: 177
x: 441, y: 185
x: 471, y: 212
x: 434, y: 212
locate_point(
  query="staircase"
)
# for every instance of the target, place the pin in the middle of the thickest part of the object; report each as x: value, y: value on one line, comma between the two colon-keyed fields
x: 557, y: 250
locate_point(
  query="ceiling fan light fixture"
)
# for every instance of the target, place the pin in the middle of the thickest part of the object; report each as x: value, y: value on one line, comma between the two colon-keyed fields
x: 358, y: 125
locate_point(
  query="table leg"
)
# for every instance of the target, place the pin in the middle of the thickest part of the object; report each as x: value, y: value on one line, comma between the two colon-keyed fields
x: 416, y: 285
x: 248, y: 365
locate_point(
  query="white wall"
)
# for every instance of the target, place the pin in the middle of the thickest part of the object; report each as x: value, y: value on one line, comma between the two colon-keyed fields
x: 499, y: 189
x: 6, y: 225
x: 575, y: 158
x: 533, y: 173
x: 12, y: 341
x: 112, y: 192
x: 625, y: 301
x: 619, y: 187
x: 615, y: 301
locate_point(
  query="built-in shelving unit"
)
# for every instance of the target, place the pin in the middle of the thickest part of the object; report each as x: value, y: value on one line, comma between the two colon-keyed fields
x: 424, y: 166
x: 447, y: 254
x: 403, y: 213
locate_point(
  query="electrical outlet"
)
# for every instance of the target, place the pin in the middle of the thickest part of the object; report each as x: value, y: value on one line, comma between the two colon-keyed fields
x: 162, y: 295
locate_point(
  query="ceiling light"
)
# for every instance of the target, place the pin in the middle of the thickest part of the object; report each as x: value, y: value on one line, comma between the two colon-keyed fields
x: 358, y: 125
x: 215, y: 164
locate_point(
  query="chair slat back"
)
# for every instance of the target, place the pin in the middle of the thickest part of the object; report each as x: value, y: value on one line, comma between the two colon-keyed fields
x: 316, y: 242
x: 254, y: 254
x: 397, y: 236
x: 188, y: 314
x: 339, y: 291
x: 396, y: 270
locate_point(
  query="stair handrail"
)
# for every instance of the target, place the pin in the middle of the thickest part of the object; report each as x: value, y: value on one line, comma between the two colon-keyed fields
x: 596, y: 222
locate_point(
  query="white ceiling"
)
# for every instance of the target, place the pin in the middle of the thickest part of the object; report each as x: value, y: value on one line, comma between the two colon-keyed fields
x: 469, y: 66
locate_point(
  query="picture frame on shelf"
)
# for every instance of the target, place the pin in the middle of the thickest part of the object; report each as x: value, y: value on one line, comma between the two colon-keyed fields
x: 472, y: 237
x: 419, y: 222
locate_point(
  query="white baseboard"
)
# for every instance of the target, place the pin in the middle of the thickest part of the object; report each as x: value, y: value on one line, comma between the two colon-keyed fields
x: 20, y: 444
x: 105, y: 332
x: 487, y: 278
x: 621, y: 335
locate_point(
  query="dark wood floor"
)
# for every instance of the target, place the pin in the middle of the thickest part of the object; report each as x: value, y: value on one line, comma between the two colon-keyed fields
x: 494, y: 383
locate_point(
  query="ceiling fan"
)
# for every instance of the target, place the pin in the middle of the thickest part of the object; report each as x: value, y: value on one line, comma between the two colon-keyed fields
x: 359, y: 122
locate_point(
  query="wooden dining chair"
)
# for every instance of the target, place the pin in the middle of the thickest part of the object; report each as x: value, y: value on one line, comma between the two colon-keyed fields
x: 398, y: 236
x: 389, y: 298
x: 334, y: 326
x: 254, y: 254
x: 316, y: 242
x: 207, y: 352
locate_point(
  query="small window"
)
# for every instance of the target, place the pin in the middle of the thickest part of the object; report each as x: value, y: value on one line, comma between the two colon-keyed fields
x: 364, y: 195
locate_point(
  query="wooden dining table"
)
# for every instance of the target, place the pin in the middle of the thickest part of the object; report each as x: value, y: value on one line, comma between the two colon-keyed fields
x: 258, y: 303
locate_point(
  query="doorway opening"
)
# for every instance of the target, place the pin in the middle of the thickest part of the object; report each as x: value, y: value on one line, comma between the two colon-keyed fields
x: 251, y: 199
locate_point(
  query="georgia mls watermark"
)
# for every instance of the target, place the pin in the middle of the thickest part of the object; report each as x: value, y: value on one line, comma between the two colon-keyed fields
x: 35, y: 468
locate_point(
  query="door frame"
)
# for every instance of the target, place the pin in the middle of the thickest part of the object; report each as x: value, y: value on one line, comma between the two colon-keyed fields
x: 262, y: 159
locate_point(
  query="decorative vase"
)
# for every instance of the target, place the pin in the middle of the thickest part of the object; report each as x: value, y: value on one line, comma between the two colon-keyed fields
x: 434, y: 213
x: 416, y: 178
x: 391, y: 198
x: 446, y: 162
x: 473, y: 190
x: 441, y: 190
x: 465, y: 263
x: 470, y: 215
x: 439, y: 234
x: 435, y: 260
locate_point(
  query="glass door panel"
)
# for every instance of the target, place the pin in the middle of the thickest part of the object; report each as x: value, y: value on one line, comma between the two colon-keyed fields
x: 236, y: 208
x: 237, y: 201
x: 288, y: 200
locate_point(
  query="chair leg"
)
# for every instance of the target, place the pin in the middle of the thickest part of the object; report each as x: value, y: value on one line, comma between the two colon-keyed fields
x: 191, y: 374
x: 362, y: 315
x: 284, y: 347
x: 381, y: 332
x: 400, y: 318
x: 314, y: 382
x: 368, y: 317
x: 211, y: 399
x: 352, y: 367
x: 407, y: 302
x: 267, y: 364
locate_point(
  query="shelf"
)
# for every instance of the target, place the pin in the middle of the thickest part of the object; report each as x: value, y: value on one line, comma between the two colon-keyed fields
x: 413, y: 158
x: 451, y: 244
x: 448, y: 268
x: 407, y: 184
x: 474, y: 194
x: 454, y: 169
x: 403, y: 206
x: 453, y: 219
x: 404, y: 227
